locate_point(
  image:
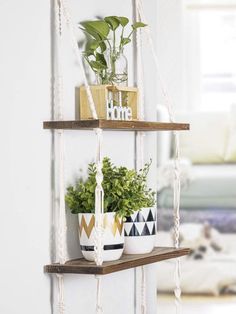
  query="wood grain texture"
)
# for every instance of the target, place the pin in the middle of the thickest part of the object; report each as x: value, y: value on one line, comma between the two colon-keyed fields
x: 122, y: 88
x: 81, y: 266
x: 100, y: 95
x: 115, y: 125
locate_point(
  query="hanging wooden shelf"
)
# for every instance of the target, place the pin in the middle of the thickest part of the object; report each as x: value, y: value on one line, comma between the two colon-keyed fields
x: 81, y: 266
x: 116, y: 125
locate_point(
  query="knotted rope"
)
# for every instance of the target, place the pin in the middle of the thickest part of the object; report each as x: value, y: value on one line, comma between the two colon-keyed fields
x: 140, y: 139
x: 176, y: 185
x: 62, y: 7
x: 58, y: 100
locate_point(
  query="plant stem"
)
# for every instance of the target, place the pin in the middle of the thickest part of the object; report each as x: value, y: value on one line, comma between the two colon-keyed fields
x: 114, y: 41
x: 113, y: 67
x: 109, y: 44
x: 121, y: 39
x: 131, y: 33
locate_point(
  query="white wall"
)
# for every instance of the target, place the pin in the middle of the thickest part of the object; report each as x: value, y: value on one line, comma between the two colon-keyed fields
x: 171, y: 50
x: 25, y: 84
x: 25, y: 188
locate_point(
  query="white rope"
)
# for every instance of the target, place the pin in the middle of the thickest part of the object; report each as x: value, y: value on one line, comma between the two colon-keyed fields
x: 99, y: 210
x: 78, y: 55
x: 58, y: 81
x: 61, y: 296
x: 176, y: 214
x: 176, y: 189
x: 143, y: 291
x: 99, y: 309
x: 58, y: 98
x: 140, y: 85
x: 155, y: 58
x: 140, y: 138
x: 99, y: 206
x: 62, y: 228
x: 177, y: 289
x: 99, y: 194
x: 58, y: 91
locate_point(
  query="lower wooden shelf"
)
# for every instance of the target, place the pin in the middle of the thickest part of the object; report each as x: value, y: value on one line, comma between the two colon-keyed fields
x: 81, y: 266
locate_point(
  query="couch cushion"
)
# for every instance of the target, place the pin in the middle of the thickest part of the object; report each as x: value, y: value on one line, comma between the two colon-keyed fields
x: 212, y: 186
x: 207, y: 139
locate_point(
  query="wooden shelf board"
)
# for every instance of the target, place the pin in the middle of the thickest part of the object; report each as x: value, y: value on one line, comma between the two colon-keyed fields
x: 116, y: 125
x: 81, y: 266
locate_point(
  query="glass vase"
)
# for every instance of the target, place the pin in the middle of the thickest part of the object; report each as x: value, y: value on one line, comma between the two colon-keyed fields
x: 117, y: 69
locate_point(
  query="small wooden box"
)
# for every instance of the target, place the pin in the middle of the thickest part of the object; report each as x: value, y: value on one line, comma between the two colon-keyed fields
x: 128, y: 96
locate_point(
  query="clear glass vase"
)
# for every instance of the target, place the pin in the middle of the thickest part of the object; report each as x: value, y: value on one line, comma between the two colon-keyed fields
x: 117, y: 69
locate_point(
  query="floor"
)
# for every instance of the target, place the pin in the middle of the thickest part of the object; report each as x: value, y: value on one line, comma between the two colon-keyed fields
x: 198, y: 305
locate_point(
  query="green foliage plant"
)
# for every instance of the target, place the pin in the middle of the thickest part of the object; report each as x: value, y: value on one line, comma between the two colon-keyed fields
x: 125, y: 190
x: 106, y: 34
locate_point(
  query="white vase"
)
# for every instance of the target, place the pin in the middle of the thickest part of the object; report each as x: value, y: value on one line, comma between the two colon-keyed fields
x: 140, y: 231
x: 113, y: 238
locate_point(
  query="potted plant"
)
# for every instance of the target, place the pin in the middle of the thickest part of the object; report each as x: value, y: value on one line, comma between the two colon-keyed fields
x: 140, y: 226
x: 104, y: 53
x: 121, y: 199
x: 106, y: 39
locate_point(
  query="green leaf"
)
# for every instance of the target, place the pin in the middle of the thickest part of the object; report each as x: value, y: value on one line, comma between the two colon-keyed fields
x: 125, y: 191
x: 91, y: 32
x: 98, y: 29
x: 88, y: 53
x: 100, y: 58
x: 103, y: 46
x: 92, y: 45
x: 97, y: 65
x: 112, y: 21
x: 125, y: 41
x: 138, y: 25
x: 123, y: 20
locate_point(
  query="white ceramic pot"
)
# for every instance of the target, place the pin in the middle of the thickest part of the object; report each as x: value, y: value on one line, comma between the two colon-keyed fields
x: 140, y: 231
x: 113, y: 239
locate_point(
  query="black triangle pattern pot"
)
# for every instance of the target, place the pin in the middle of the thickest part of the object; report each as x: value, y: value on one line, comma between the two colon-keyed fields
x: 140, y: 231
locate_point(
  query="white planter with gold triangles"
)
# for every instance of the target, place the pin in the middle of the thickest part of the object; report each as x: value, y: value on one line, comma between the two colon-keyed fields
x: 140, y: 231
x: 113, y: 239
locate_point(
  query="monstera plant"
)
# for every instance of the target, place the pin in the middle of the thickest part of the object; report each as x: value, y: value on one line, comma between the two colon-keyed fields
x: 106, y: 39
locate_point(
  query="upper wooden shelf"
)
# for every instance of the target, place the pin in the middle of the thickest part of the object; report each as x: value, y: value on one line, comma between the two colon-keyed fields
x: 81, y: 266
x: 115, y: 125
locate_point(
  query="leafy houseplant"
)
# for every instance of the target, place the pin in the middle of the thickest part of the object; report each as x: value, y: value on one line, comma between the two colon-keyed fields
x: 125, y: 190
x: 106, y: 40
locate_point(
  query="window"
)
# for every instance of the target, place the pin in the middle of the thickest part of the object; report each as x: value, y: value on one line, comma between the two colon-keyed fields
x: 217, y: 30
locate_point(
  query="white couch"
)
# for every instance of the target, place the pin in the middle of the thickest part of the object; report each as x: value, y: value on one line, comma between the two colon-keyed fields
x: 210, y: 149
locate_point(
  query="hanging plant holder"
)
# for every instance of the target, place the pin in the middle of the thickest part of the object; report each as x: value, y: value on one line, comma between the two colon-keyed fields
x: 111, y: 102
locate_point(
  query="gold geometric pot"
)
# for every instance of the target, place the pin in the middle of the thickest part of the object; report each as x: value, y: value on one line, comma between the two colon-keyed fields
x: 113, y: 237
